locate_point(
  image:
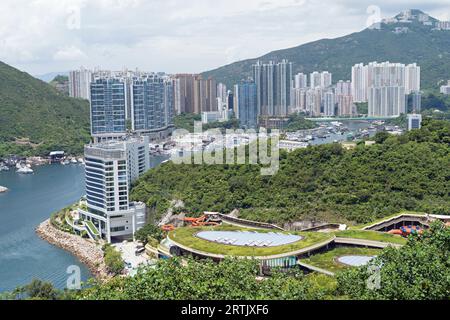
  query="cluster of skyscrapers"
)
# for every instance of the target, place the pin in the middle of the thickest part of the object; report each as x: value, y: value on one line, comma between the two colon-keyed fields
x: 386, y: 86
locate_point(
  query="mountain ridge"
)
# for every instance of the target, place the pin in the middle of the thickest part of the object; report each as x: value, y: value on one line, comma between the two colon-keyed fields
x: 419, y: 43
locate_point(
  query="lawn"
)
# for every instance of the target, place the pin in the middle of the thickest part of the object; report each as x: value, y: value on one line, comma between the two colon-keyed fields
x: 328, y: 260
x: 372, y: 236
x: 386, y: 218
x: 187, y: 237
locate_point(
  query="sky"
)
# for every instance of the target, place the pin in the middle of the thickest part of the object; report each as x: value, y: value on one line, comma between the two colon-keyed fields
x: 44, y: 36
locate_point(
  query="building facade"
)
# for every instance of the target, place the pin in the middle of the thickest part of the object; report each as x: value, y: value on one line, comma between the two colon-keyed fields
x: 79, y: 83
x: 111, y: 168
x: 108, y: 108
x: 274, y: 82
x: 246, y: 108
x: 152, y: 104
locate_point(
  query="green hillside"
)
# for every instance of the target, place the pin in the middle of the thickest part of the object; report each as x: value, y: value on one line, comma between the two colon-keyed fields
x: 429, y: 48
x: 36, y: 119
x: 325, y: 182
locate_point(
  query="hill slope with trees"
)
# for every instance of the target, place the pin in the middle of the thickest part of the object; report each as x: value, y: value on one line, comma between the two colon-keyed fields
x: 409, y: 172
x: 36, y: 119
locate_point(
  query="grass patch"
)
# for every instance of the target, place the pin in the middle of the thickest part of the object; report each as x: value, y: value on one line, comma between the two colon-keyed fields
x: 187, y: 237
x: 328, y: 260
x: 372, y: 236
x: 386, y: 218
x: 91, y: 227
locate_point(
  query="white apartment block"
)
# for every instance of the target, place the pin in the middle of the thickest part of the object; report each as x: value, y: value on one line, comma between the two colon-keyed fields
x: 79, y: 83
x: 300, y: 81
x: 446, y: 89
x: 111, y: 168
x: 387, y: 101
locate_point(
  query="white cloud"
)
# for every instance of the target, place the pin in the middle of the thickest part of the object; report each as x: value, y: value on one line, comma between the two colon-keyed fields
x: 41, y: 36
x: 71, y: 53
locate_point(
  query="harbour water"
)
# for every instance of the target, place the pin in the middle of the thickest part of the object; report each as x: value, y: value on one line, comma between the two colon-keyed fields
x: 31, y: 199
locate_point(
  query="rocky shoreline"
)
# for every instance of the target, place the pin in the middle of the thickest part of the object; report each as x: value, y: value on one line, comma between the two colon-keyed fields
x: 87, y: 251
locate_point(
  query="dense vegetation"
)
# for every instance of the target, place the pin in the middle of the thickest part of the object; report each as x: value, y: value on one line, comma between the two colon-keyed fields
x: 409, y: 172
x: 298, y: 122
x: 186, y: 121
x: 429, y: 48
x: 36, y: 119
x: 113, y: 260
x: 418, y: 271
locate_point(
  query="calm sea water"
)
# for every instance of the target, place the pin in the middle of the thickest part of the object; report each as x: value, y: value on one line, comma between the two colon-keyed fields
x: 31, y: 200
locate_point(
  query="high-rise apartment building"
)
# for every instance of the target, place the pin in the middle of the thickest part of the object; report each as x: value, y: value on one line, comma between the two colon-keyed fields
x: 273, y: 82
x: 412, y: 78
x: 246, y: 108
x: 300, y: 81
x: 315, y: 80
x: 387, y: 101
x: 384, y: 85
x: 329, y: 103
x: 360, y: 83
x: 344, y: 98
x: 79, y: 83
x: 111, y: 168
x: 205, y: 95
x: 152, y: 104
x: 184, y: 93
x: 108, y: 108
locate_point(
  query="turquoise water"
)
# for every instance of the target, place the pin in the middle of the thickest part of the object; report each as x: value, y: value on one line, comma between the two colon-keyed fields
x: 31, y: 200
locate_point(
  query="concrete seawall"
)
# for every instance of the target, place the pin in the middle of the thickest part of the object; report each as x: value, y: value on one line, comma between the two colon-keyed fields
x: 88, y: 252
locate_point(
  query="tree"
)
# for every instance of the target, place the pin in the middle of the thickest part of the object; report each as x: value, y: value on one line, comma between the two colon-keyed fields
x: 149, y: 231
x: 37, y: 290
x: 418, y: 271
x: 113, y: 260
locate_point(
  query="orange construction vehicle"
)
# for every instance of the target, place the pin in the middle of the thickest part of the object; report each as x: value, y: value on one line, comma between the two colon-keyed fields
x: 168, y: 227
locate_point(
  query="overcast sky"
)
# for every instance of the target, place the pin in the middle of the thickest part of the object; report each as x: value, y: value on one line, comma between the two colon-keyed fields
x: 42, y: 36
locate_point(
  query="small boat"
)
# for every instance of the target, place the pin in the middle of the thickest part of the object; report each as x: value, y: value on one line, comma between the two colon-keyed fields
x: 3, y: 189
x: 25, y: 170
x: 74, y: 161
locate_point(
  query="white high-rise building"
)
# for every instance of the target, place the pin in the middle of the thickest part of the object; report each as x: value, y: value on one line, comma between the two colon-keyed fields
x: 111, y: 168
x: 359, y: 82
x: 301, y: 81
x: 222, y: 93
x: 329, y: 103
x: 383, y: 74
x: 314, y: 102
x: 79, y: 83
x: 412, y: 78
x: 315, y: 79
x: 320, y: 79
x: 326, y: 79
x: 387, y: 101
x: 344, y: 88
x: 344, y: 98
